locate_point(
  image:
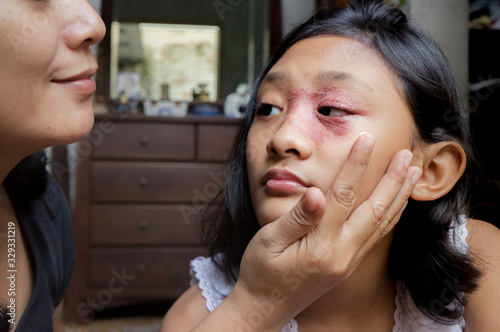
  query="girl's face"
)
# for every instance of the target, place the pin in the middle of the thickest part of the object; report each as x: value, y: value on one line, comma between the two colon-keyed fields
x: 46, y: 69
x: 312, y: 106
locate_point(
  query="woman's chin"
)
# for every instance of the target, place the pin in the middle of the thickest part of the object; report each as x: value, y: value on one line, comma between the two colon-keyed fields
x: 73, y: 132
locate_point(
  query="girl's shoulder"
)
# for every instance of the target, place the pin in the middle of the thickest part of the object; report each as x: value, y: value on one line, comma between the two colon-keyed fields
x: 481, y: 310
x: 483, y: 239
x: 187, y: 311
x: 209, y: 288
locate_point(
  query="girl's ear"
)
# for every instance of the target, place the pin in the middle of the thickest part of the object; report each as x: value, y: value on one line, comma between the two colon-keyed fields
x: 442, y: 166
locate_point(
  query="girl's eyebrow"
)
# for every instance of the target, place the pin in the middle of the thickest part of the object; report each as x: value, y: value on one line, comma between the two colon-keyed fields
x: 336, y: 76
x: 275, y: 78
x: 321, y: 78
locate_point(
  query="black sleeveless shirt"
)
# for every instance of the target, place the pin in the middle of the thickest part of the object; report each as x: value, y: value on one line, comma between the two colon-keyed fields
x: 46, y: 225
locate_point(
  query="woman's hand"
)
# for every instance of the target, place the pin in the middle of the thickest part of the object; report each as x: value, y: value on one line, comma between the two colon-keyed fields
x: 294, y: 260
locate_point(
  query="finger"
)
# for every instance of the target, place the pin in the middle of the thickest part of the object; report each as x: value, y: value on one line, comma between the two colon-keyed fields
x: 371, y: 213
x: 298, y: 221
x: 342, y: 195
x: 370, y: 222
x: 395, y: 211
x: 401, y: 200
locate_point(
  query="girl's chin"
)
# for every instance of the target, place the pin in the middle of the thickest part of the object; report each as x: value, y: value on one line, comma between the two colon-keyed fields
x: 268, y: 218
x: 275, y: 208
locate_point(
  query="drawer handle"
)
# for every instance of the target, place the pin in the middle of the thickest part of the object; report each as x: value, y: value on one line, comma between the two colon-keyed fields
x: 143, y: 225
x: 141, y: 268
x: 144, y: 140
x: 143, y: 183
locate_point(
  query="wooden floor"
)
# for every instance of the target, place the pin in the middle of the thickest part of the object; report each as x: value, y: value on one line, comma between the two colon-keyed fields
x: 133, y: 324
x: 128, y: 319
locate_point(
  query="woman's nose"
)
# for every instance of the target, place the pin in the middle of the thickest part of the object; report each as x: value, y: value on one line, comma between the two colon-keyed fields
x: 86, y: 27
x: 290, y: 139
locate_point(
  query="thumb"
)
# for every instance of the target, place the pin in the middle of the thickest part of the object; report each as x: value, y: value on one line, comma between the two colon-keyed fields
x: 300, y: 219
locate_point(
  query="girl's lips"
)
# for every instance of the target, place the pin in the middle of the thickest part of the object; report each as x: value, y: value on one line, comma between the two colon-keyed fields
x: 282, y: 180
x: 283, y: 185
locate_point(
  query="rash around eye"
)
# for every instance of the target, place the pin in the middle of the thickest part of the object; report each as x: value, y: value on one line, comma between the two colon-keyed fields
x: 333, y: 111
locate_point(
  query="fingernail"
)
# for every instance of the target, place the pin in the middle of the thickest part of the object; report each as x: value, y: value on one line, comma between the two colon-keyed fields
x: 416, y: 176
x: 368, y: 143
x: 310, y: 202
x: 362, y: 133
x: 408, y: 157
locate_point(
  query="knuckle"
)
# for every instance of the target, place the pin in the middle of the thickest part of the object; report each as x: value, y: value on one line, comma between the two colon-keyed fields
x: 316, y: 262
x: 345, y: 196
x: 264, y: 241
x: 387, y: 228
x: 340, y: 268
x: 399, y: 179
x: 299, y: 219
x: 378, y: 210
x: 322, y: 262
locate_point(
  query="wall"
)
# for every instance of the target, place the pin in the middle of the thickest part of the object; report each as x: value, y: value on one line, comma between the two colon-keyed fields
x: 96, y: 4
x: 447, y: 21
x: 294, y: 12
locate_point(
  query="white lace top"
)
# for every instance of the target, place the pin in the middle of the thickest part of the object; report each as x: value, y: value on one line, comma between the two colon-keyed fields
x: 407, y: 316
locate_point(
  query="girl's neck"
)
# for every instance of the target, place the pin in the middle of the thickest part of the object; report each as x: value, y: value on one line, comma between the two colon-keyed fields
x: 363, y: 302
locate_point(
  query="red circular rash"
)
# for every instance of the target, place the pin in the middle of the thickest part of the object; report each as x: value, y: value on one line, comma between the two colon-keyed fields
x: 303, y: 115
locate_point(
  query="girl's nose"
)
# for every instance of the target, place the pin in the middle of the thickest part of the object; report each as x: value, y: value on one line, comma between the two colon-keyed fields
x: 86, y: 27
x: 290, y: 139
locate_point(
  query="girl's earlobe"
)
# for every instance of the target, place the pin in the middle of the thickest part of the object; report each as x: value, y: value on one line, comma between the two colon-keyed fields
x: 442, y: 166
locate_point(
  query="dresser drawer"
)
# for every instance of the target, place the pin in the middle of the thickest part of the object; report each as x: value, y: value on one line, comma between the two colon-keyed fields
x: 131, y: 225
x: 215, y: 142
x: 155, y: 182
x: 147, y: 141
x: 143, y: 268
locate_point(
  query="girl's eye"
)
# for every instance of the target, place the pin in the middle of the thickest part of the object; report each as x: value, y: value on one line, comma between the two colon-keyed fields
x: 267, y: 110
x: 332, y: 111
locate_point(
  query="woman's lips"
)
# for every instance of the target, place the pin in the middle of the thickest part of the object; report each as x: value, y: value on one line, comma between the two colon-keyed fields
x: 82, y: 83
x: 282, y: 180
x: 84, y: 86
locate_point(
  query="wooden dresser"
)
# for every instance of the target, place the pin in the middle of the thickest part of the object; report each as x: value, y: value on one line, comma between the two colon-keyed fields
x: 141, y: 183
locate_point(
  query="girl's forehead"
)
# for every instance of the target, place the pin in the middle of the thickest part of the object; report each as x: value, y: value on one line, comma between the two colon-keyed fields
x: 331, y: 47
x: 332, y: 61
x: 322, y: 58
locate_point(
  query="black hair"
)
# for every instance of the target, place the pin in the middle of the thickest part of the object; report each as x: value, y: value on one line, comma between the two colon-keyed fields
x: 421, y: 254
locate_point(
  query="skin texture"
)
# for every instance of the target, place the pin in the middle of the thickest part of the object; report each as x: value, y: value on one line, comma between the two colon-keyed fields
x: 311, y: 145
x: 327, y: 200
x: 46, y: 66
x: 44, y: 43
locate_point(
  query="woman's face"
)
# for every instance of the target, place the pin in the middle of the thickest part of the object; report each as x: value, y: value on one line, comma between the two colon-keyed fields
x: 314, y: 103
x: 46, y: 69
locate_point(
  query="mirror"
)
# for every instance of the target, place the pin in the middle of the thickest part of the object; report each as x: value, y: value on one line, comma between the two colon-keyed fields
x: 154, y: 61
x: 229, y: 43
